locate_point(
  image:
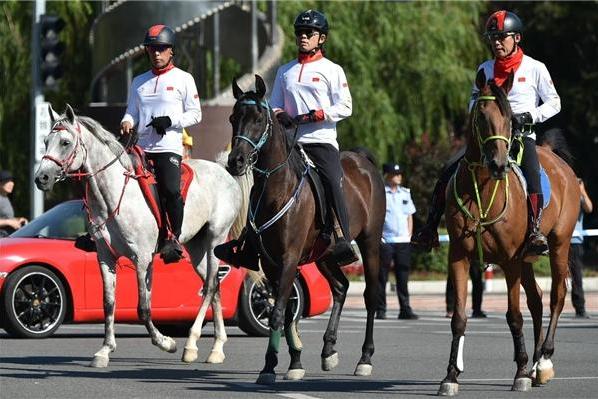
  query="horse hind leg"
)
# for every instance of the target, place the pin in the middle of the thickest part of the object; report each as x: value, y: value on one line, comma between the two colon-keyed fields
x: 291, y: 333
x: 338, y: 285
x: 370, y: 252
x: 101, y: 358
x: 144, y: 286
x: 559, y: 252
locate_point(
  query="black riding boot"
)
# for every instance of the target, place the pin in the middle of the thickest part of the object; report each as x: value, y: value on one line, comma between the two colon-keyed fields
x: 172, y: 250
x: 536, y: 242
x: 426, y: 238
x: 342, y: 253
x: 239, y: 253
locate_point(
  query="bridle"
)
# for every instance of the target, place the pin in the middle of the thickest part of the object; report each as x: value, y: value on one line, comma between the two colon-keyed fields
x: 476, y: 130
x: 65, y: 164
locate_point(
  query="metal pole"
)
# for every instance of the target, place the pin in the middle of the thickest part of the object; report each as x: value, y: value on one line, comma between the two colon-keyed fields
x: 36, y: 197
x: 254, y: 49
x: 216, y: 57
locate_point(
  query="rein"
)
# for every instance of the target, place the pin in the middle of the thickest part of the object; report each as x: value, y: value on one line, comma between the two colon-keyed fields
x: 482, y: 220
x: 253, y: 156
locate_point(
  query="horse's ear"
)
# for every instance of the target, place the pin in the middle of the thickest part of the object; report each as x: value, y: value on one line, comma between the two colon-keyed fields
x: 53, y: 115
x: 260, y: 86
x: 480, y: 79
x: 237, y: 92
x: 508, y: 83
x: 70, y: 114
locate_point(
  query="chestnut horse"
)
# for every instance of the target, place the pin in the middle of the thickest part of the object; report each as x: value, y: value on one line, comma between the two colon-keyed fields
x: 260, y: 144
x: 486, y: 218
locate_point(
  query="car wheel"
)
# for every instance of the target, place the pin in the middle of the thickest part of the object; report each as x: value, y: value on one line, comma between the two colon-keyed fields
x: 257, y: 302
x: 34, y: 302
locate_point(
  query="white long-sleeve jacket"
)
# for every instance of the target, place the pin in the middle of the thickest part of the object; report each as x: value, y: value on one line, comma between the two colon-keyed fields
x: 532, y: 83
x: 171, y: 94
x: 318, y: 84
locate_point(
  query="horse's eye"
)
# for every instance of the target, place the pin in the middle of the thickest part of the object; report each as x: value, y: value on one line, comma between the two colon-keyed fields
x: 230, y: 119
x: 65, y: 143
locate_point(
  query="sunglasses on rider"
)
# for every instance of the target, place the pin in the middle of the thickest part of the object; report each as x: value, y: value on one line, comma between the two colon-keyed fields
x: 307, y: 32
x: 498, y: 36
x: 158, y: 47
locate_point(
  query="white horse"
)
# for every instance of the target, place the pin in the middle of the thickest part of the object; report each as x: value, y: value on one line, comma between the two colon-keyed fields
x: 123, y: 225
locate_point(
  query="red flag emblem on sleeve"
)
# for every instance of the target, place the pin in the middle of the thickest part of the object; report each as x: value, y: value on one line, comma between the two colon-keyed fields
x: 521, y: 79
x: 170, y: 88
x: 345, y: 84
x: 315, y: 79
x: 196, y: 96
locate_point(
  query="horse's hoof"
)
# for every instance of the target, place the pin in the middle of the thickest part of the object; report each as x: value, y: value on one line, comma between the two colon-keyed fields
x: 544, y: 371
x: 266, y: 379
x: 189, y: 355
x: 168, y: 345
x: 295, y: 374
x: 215, y: 357
x: 99, y: 362
x: 363, y: 370
x: 330, y: 362
x: 522, y: 384
x: 448, y: 389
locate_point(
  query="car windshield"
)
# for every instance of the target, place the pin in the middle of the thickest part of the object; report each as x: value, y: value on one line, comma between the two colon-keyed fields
x: 64, y: 221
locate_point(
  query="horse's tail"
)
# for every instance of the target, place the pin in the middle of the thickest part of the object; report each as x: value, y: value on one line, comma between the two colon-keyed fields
x: 245, y: 183
x: 367, y: 154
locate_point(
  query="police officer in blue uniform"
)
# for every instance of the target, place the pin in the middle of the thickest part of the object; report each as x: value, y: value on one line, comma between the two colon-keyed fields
x: 398, y: 227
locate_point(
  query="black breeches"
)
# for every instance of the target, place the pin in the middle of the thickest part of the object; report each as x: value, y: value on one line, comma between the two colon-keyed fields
x: 530, y: 165
x: 327, y: 160
x: 400, y: 255
x: 167, y: 168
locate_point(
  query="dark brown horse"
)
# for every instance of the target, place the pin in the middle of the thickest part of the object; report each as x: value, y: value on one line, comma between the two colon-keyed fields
x: 486, y: 217
x: 261, y: 144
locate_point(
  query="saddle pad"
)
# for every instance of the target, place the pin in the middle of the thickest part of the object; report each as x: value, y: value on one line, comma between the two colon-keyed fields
x: 544, y: 183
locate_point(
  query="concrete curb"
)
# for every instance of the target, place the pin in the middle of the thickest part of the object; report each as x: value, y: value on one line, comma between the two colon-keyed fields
x: 496, y: 285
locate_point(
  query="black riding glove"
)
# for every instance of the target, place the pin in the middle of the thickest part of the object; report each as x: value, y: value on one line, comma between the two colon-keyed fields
x: 285, y: 120
x: 520, y: 120
x: 160, y: 123
x: 310, y: 117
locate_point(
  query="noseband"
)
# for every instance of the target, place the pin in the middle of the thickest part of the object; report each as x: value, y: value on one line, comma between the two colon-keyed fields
x: 65, y: 163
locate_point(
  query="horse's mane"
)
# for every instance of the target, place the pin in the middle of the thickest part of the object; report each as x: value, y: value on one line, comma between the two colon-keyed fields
x: 501, y: 99
x: 104, y: 136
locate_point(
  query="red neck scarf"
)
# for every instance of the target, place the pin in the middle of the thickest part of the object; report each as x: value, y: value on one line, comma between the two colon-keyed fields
x: 504, y: 66
x: 304, y: 58
x: 163, y: 70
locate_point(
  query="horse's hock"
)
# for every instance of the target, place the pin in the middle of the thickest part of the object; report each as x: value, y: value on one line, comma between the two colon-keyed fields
x: 202, y: 29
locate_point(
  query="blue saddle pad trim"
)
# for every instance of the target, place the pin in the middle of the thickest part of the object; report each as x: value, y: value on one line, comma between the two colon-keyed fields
x: 546, y: 188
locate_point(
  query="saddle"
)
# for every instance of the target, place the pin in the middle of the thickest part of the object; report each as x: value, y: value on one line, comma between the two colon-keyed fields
x: 147, y: 182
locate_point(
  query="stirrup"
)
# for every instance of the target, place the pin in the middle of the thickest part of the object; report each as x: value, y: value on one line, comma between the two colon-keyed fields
x: 342, y: 254
x: 536, y: 246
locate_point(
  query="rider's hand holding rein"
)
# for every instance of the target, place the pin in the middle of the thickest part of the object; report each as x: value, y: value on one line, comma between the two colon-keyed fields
x: 126, y: 127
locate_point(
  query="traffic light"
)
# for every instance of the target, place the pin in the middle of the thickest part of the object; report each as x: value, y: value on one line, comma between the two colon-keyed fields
x: 50, y: 50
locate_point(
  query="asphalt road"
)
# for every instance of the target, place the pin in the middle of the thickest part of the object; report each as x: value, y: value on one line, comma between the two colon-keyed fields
x: 410, y: 360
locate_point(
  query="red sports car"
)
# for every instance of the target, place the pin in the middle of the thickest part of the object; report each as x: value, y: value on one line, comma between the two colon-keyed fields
x: 45, y: 281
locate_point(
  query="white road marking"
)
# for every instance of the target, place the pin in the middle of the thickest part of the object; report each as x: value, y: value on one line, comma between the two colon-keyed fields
x: 296, y: 396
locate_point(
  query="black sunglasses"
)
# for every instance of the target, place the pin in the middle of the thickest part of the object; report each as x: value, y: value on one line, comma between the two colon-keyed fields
x: 158, y: 47
x: 307, y: 32
x: 498, y: 36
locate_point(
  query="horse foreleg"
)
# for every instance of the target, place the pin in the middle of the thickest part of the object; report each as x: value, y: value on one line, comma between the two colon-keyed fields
x: 101, y: 358
x: 282, y: 290
x: 144, y: 290
x: 459, y: 273
x: 533, y: 293
x: 291, y: 333
x: 338, y: 285
x: 220, y: 338
x: 559, y: 267
x: 522, y: 382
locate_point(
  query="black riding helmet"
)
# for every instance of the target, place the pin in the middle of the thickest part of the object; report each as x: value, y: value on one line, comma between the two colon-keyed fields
x: 159, y: 34
x: 312, y: 19
x: 502, y: 22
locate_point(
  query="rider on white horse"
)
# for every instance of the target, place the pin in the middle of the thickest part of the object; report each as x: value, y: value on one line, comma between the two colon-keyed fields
x: 162, y: 102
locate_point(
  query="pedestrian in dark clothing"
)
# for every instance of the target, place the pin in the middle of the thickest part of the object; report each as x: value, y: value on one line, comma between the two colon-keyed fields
x: 576, y: 257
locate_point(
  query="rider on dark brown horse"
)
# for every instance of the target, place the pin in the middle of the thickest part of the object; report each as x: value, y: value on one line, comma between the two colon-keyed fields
x: 532, y: 83
x: 311, y: 93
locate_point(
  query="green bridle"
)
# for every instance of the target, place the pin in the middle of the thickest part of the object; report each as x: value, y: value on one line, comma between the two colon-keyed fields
x: 482, y: 220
